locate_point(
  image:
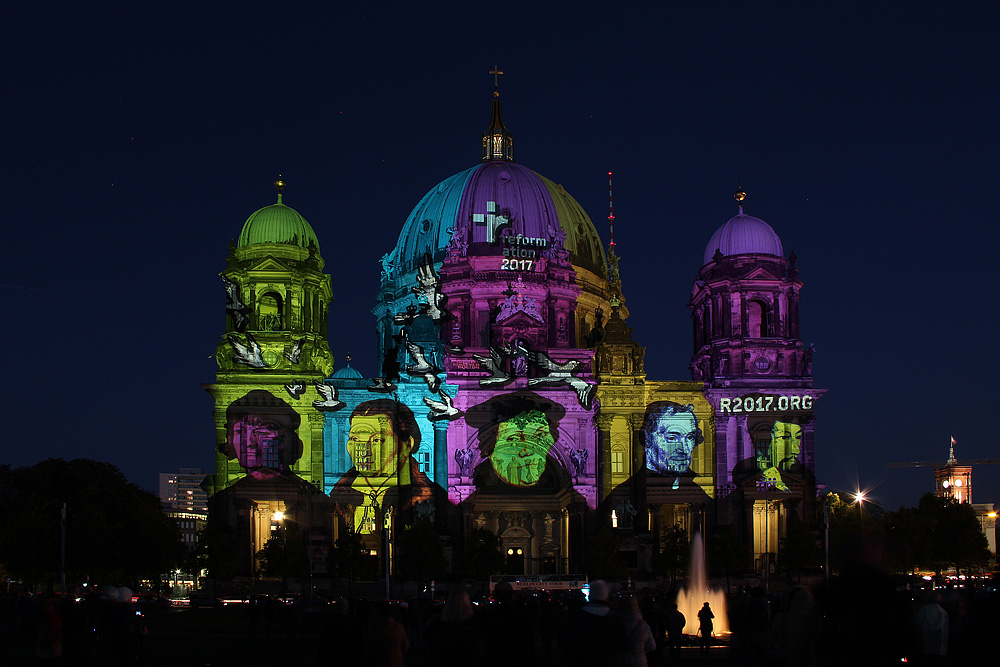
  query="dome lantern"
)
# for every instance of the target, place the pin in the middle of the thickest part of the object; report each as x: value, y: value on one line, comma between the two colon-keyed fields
x: 498, y: 143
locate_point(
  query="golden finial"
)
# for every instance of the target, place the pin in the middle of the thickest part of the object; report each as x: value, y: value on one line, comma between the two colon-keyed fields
x: 348, y: 358
x: 280, y: 184
x: 740, y: 195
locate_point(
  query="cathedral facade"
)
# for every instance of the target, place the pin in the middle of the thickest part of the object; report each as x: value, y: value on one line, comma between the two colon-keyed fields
x: 512, y: 397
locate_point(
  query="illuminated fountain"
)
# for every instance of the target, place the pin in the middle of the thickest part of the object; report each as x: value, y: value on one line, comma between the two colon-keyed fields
x: 691, y: 599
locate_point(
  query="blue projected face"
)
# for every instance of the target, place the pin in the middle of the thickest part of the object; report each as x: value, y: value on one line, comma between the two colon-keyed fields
x: 670, y: 443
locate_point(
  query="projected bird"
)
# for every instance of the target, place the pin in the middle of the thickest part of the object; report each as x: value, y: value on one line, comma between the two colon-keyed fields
x: 493, y: 365
x: 235, y: 305
x: 429, y: 282
x: 406, y: 319
x: 421, y: 367
x: 296, y: 389
x: 328, y: 393
x: 296, y: 352
x: 382, y: 386
x: 443, y: 409
x: 562, y: 373
x: 249, y: 354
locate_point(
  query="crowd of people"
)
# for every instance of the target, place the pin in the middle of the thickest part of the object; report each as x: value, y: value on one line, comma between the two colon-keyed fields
x: 100, y: 627
x: 858, y: 620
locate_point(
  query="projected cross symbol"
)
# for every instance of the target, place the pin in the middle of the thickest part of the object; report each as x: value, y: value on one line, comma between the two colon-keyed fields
x: 491, y: 221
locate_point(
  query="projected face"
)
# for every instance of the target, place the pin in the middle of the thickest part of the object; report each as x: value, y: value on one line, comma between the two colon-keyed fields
x: 372, y: 445
x: 786, y: 439
x: 672, y: 433
x: 523, y: 443
x: 673, y: 441
x: 261, y: 434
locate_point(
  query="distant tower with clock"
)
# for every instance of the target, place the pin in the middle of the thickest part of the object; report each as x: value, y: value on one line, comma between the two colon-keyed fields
x: 758, y: 378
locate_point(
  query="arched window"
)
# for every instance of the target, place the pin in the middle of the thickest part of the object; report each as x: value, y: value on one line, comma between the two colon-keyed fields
x: 269, y: 312
x: 757, y: 320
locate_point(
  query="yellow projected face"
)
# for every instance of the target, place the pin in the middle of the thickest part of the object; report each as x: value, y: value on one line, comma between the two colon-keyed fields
x: 786, y: 439
x: 373, y: 447
x: 523, y: 443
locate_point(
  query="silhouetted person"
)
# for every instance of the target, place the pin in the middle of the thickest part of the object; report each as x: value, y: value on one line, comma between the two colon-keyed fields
x: 638, y: 637
x: 387, y: 641
x: 74, y: 629
x: 932, y: 627
x: 48, y: 632
x: 705, y: 626
x: 342, y: 633
x: 794, y: 632
x: 594, y: 633
x: 506, y: 630
x: 453, y: 639
x: 675, y: 630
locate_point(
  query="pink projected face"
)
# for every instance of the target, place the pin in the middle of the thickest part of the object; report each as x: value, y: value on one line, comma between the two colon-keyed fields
x: 259, y: 445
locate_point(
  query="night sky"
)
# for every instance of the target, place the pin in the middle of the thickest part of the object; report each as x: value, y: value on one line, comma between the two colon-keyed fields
x: 138, y: 138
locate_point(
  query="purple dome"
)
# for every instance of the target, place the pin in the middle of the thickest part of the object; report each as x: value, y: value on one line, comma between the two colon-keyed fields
x: 744, y: 235
x: 533, y: 206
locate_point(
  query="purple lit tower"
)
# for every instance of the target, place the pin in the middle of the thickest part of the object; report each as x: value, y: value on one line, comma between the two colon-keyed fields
x: 758, y: 379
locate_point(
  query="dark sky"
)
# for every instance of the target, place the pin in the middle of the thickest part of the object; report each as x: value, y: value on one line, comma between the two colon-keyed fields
x: 138, y: 138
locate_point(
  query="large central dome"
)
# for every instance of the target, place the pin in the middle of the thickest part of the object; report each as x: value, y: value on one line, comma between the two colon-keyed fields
x: 535, y: 207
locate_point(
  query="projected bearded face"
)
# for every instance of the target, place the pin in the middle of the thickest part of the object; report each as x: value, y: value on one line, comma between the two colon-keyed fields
x: 786, y: 440
x: 374, y: 447
x: 522, y: 446
x: 671, y: 435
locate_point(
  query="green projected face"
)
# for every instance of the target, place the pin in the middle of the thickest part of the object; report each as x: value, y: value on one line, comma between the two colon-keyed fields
x: 372, y: 446
x: 522, y: 445
x: 786, y: 439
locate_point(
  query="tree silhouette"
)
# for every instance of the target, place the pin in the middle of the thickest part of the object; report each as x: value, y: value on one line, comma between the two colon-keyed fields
x: 115, y: 531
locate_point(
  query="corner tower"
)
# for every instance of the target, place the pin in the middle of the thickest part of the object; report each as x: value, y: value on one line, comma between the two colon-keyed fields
x: 272, y: 352
x: 758, y: 378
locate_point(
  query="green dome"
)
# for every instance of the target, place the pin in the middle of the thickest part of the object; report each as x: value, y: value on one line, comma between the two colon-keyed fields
x: 277, y: 224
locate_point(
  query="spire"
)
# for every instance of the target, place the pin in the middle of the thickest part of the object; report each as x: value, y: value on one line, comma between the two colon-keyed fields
x: 498, y: 144
x: 612, y: 273
x: 611, y: 213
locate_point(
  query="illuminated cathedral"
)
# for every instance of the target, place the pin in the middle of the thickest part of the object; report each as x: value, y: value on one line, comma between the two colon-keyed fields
x: 511, y: 395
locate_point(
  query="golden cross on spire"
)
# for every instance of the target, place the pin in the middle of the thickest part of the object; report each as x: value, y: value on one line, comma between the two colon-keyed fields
x: 496, y: 72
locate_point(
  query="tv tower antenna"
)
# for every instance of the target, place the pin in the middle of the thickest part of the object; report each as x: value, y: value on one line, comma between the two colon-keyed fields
x: 611, y: 213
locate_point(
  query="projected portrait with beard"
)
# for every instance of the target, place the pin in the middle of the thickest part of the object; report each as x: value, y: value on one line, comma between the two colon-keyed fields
x: 381, y: 442
x: 517, y: 434
x: 671, y: 433
x: 261, y: 433
x: 782, y: 453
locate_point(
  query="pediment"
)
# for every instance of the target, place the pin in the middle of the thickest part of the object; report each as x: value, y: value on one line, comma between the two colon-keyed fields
x: 519, y: 322
x: 269, y: 264
x: 761, y: 273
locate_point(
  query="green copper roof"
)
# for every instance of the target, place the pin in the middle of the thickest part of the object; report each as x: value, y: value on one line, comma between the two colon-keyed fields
x: 277, y: 224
